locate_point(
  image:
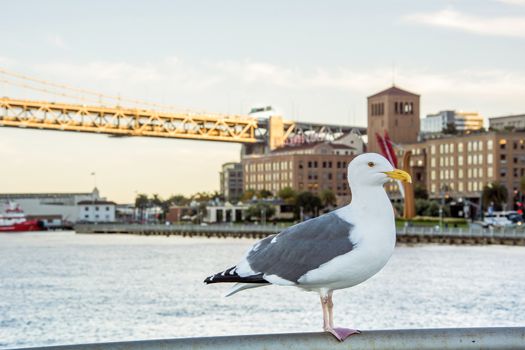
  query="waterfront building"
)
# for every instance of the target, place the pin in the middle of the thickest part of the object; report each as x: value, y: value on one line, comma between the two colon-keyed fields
x: 96, y: 211
x: 225, y: 212
x: 460, y: 166
x: 231, y: 181
x: 43, y: 206
x: 452, y: 121
x: 395, y: 111
x: 509, y: 122
x: 309, y: 167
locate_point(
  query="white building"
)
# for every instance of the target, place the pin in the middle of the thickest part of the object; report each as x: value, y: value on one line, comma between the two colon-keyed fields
x: 96, y: 211
x: 508, y: 122
x: 460, y: 121
x: 226, y: 212
x: 44, y: 205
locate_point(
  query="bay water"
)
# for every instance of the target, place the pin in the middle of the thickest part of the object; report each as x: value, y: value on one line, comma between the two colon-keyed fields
x: 65, y: 288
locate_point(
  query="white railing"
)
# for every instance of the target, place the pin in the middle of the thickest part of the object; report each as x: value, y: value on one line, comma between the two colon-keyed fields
x: 406, y: 339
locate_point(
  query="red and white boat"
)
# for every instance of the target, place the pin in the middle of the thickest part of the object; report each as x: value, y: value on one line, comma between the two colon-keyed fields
x: 13, y: 219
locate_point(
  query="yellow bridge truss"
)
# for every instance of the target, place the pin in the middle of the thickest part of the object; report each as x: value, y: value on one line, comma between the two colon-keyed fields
x: 273, y: 132
x: 127, y: 122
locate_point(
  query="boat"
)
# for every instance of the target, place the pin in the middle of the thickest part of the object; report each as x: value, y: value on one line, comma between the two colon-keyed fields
x: 13, y: 219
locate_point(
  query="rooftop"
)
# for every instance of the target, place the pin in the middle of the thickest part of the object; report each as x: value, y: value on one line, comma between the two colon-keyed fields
x: 393, y: 90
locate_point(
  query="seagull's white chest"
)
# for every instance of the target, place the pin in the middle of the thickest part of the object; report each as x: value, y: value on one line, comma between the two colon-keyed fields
x: 374, y: 241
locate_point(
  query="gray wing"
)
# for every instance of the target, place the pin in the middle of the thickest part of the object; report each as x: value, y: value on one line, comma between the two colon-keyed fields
x: 302, y: 247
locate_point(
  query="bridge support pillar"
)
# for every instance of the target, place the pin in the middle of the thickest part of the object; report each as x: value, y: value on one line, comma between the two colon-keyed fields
x: 276, y: 132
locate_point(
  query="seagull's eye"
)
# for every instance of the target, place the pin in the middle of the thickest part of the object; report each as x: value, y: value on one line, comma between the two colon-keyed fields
x: 371, y: 164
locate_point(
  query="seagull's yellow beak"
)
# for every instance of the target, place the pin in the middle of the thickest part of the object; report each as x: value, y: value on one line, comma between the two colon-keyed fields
x: 397, y: 174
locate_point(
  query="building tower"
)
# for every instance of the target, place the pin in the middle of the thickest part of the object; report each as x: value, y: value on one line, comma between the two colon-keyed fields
x: 395, y: 111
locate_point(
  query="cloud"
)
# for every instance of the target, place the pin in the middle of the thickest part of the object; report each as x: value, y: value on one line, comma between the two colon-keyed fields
x: 207, y: 85
x: 494, y: 26
x: 513, y: 2
x: 56, y: 41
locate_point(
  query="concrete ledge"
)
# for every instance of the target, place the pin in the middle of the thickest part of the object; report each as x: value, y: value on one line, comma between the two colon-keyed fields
x: 422, y: 339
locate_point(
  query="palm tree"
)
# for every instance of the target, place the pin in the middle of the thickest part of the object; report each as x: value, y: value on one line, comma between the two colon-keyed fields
x: 328, y: 198
x: 142, y: 201
x: 494, y: 193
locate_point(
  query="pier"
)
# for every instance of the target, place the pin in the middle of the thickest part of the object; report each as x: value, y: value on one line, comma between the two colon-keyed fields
x: 408, y: 235
x: 406, y: 339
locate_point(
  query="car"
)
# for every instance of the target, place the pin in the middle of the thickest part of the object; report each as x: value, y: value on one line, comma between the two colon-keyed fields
x: 503, y: 219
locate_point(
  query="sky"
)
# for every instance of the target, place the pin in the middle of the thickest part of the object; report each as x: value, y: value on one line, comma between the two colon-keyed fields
x: 313, y: 61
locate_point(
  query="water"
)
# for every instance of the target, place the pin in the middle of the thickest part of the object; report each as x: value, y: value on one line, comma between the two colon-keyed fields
x: 62, y: 288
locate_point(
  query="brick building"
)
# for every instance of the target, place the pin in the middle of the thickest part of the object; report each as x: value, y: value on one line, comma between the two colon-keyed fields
x: 394, y: 110
x: 309, y: 167
x: 461, y: 166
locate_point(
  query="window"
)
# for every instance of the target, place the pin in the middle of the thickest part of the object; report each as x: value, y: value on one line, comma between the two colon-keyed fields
x: 86, y: 208
x: 96, y: 208
x: 107, y: 208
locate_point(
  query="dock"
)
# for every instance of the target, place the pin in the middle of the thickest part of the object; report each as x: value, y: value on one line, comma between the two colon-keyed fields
x: 408, y: 235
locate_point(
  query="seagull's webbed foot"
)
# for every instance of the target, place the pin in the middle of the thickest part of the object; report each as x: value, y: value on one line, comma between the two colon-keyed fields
x: 341, y: 333
x: 328, y: 318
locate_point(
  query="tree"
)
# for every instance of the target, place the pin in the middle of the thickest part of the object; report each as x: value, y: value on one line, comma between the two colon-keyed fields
x: 309, y: 202
x: 421, y: 206
x: 264, y: 193
x: 249, y: 194
x: 142, y: 202
x: 420, y: 192
x: 494, y: 193
x: 178, y: 199
x: 287, y: 194
x: 432, y: 209
x: 328, y: 198
x: 450, y: 129
x: 260, y: 210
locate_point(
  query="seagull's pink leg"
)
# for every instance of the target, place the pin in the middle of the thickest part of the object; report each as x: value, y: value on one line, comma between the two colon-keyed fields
x: 328, y: 319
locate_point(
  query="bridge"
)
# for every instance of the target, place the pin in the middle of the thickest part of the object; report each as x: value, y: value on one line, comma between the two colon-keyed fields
x: 125, y: 121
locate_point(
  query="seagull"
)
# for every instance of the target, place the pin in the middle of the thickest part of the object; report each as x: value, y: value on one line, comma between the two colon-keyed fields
x: 336, y: 250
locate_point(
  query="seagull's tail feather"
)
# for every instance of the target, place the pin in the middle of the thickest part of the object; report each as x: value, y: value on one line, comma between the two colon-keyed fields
x: 242, y: 286
x: 230, y: 275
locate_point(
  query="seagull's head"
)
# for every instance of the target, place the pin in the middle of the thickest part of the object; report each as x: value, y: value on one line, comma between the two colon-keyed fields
x: 372, y: 169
